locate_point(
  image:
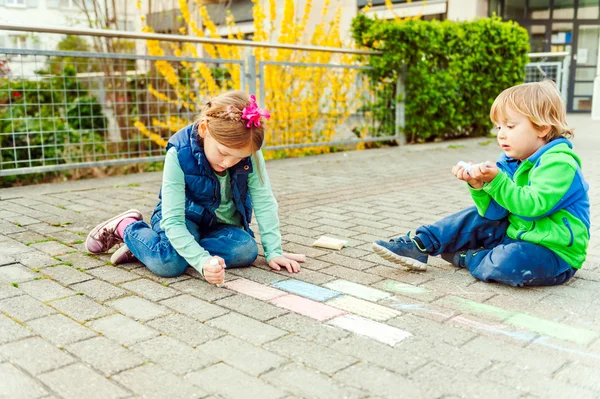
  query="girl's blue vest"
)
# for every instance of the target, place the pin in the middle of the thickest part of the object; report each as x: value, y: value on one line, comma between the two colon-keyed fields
x: 202, y: 190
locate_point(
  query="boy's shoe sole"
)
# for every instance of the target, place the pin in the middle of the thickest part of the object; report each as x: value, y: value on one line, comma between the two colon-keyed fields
x: 411, y: 263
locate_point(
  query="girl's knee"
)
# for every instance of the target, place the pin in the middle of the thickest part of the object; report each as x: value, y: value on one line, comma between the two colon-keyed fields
x: 168, y: 267
x: 243, y: 254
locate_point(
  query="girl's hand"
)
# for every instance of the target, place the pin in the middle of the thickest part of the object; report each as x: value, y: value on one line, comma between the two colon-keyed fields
x: 214, y: 274
x: 461, y: 174
x: 485, y: 171
x: 287, y: 261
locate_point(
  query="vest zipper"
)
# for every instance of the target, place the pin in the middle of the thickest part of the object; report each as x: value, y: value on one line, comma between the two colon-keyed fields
x: 566, y: 221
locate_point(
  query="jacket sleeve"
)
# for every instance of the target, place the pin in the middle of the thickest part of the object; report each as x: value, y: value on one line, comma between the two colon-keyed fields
x: 486, y: 206
x: 548, y: 184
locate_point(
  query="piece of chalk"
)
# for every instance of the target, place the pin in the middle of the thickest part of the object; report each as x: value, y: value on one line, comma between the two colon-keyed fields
x: 465, y: 166
x: 331, y: 243
x: 215, y: 262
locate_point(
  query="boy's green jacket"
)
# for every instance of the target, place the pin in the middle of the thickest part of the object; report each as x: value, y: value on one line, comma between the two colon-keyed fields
x: 545, y: 198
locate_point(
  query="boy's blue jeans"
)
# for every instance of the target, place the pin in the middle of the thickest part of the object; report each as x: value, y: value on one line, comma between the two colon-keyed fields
x: 152, y: 247
x: 491, y: 255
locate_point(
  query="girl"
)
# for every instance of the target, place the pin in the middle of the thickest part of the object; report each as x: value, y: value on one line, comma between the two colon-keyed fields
x: 214, y: 175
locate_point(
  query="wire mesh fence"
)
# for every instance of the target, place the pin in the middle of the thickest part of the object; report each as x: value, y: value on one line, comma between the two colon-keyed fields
x: 60, y: 110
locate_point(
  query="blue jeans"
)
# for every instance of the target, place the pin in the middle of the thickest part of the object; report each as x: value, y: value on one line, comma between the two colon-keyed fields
x: 490, y: 254
x: 152, y: 247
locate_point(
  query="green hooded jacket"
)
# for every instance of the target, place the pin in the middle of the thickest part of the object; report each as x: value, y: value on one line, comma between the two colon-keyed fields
x: 545, y: 198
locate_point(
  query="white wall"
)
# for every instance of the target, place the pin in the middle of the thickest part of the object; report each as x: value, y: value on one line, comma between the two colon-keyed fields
x: 465, y: 10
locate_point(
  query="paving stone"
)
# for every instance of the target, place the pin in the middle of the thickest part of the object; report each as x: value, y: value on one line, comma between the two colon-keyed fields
x: 313, y: 355
x: 246, y: 328
x: 81, y: 261
x: 46, y: 290
x: 25, y: 308
x: 145, y: 272
x: 221, y: 375
x: 307, y: 328
x: 306, y: 307
x: 11, y: 330
x: 151, y: 381
x: 173, y: 355
x: 378, y: 381
x: 52, y: 248
x: 257, y: 275
x: 62, y: 380
x: 347, y: 261
x: 194, y: 307
x: 15, y: 384
x: 309, y: 383
x: 16, y: 274
x: 60, y: 330
x: 35, y: 355
x: 122, y: 329
x: 105, y: 355
x: 369, y: 328
x: 98, y: 290
x: 201, y: 289
x: 66, y: 275
x: 150, y: 290
x: 37, y: 260
x: 357, y: 290
x: 431, y: 330
x: 363, y: 308
x: 186, y: 329
x: 251, y: 307
x: 352, y: 275
x: 112, y: 274
x: 242, y: 355
x: 255, y: 290
x: 8, y: 290
x: 138, y: 308
x: 81, y: 308
x: 306, y: 290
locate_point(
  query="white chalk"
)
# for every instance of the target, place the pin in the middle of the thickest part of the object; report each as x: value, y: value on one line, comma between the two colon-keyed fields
x: 215, y: 262
x: 331, y: 243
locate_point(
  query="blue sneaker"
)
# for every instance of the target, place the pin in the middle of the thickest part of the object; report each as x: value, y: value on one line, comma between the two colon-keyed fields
x: 404, y: 251
x: 456, y: 258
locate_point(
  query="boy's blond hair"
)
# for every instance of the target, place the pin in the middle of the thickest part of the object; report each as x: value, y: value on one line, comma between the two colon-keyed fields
x: 540, y: 102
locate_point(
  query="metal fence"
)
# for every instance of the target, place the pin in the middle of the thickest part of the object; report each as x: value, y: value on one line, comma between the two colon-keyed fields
x: 553, y: 66
x: 66, y: 110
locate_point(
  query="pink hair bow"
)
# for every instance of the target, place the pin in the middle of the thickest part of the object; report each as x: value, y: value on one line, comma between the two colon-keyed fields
x: 252, y: 113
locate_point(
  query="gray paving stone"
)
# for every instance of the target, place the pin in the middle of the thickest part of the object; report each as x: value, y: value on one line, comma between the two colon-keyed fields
x: 16, y: 273
x: 105, y: 355
x: 201, y: 289
x: 151, y: 381
x: 60, y: 330
x: 346, y: 261
x: 35, y: 355
x: 185, y: 329
x: 8, y: 290
x: 46, y: 290
x: 113, y: 274
x: 15, y: 384
x: 247, y: 328
x: 251, y: 307
x: 99, y: 290
x: 309, y: 383
x: 122, y: 329
x: 256, y: 274
x: 174, y: 356
x: 431, y: 330
x: 78, y: 381
x: 66, y: 275
x: 242, y: 355
x: 81, y: 308
x: 194, y: 307
x: 52, y: 248
x: 138, y: 308
x: 11, y: 330
x: 220, y: 377
x: 322, y: 334
x: 145, y: 272
x: 81, y: 261
x: 319, y: 357
x: 378, y: 381
x: 37, y: 260
x: 352, y: 275
x: 28, y: 237
x: 25, y: 308
x: 150, y: 290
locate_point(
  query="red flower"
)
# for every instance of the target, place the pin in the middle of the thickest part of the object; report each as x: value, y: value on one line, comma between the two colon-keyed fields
x: 16, y: 94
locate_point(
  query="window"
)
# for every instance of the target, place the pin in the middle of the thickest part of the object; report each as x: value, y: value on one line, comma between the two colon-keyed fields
x: 16, y: 3
x: 17, y: 41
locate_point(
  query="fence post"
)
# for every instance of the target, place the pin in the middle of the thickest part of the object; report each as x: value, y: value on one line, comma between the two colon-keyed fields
x: 400, y: 117
x: 251, y: 74
x: 565, y: 79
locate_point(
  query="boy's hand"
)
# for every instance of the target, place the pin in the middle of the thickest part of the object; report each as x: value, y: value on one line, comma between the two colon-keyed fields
x: 214, y: 274
x: 485, y: 171
x: 461, y: 173
x: 287, y: 261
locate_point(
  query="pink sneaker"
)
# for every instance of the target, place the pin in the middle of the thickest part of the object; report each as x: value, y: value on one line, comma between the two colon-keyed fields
x: 122, y: 255
x: 104, y: 236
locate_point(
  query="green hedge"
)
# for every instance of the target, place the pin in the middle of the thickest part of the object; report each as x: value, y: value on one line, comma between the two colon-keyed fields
x: 454, y: 70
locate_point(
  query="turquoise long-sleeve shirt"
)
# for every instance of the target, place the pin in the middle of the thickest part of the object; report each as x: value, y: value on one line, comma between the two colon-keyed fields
x: 173, y: 210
